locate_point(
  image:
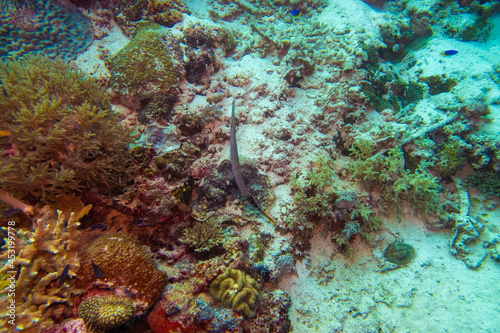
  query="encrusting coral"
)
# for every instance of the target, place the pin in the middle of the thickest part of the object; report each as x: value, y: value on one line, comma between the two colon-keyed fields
x: 122, y: 263
x: 44, y: 257
x: 237, y: 290
x: 102, y: 313
x: 63, y: 136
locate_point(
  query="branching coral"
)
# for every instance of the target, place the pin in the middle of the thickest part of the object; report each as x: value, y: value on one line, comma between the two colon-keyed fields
x: 63, y: 135
x: 203, y: 236
x: 102, y: 313
x: 41, y: 258
x: 237, y: 290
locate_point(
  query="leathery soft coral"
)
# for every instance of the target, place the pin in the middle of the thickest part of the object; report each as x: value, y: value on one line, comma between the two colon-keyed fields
x: 61, y: 135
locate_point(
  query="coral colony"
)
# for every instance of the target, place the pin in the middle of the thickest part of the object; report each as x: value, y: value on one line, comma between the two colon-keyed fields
x: 368, y: 162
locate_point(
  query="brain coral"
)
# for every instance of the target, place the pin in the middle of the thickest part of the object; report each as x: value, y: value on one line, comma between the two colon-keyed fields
x: 237, y: 290
x: 119, y: 260
x: 102, y: 313
x: 51, y: 28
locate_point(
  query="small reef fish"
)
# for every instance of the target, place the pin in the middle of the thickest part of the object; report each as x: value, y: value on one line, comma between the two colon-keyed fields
x: 99, y: 273
x: 64, y: 275
x: 296, y: 12
x: 235, y: 165
x: 449, y: 52
x: 4, y: 133
x: 10, y: 212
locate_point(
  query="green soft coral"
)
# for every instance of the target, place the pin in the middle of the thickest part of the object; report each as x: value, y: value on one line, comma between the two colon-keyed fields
x: 63, y: 135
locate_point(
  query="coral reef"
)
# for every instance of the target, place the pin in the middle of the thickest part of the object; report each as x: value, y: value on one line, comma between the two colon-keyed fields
x: 102, y: 313
x: 123, y: 264
x: 144, y: 64
x: 236, y: 290
x: 52, y: 28
x: 131, y: 14
x: 203, y: 236
x: 42, y: 257
x: 63, y: 135
x: 213, y: 193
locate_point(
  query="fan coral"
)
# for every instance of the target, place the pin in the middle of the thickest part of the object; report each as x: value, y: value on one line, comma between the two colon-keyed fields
x: 49, y: 27
x: 64, y: 137
x: 123, y: 263
x: 144, y: 62
x: 42, y: 256
x: 236, y: 290
x: 102, y: 313
x: 203, y: 236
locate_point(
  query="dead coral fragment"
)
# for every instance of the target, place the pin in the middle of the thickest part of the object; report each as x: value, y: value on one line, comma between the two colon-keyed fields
x: 104, y: 313
x: 237, y: 290
x: 64, y: 136
x: 203, y: 236
x: 125, y: 263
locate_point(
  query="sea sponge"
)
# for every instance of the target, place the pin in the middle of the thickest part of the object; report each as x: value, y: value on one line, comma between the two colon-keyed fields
x: 119, y: 260
x: 102, y: 313
x: 237, y: 290
x: 63, y: 135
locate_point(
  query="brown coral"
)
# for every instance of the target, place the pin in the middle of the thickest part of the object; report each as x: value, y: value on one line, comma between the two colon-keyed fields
x: 42, y: 256
x: 63, y: 135
x: 123, y: 263
x: 102, y: 313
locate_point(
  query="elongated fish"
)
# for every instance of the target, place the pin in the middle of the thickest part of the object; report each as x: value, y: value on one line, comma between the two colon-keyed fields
x: 235, y: 165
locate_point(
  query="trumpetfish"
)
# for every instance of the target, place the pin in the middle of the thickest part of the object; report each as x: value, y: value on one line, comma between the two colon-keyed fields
x: 235, y: 166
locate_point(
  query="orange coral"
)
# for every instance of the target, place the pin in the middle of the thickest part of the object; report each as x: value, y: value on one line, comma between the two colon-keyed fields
x: 123, y: 263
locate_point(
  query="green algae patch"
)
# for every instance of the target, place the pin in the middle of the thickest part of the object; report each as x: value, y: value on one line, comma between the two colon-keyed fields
x: 144, y: 63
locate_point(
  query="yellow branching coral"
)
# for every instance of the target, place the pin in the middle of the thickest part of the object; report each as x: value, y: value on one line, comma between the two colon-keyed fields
x: 237, y: 290
x: 41, y: 257
x: 122, y: 262
x: 203, y: 236
x: 102, y: 313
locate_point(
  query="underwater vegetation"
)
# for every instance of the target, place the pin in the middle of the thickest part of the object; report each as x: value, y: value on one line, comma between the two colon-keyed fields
x: 49, y: 28
x: 64, y: 137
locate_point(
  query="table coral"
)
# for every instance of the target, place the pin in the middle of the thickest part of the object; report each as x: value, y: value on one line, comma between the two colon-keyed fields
x: 102, y: 313
x: 41, y: 257
x: 124, y: 264
x: 48, y: 27
x: 237, y: 290
x: 63, y: 135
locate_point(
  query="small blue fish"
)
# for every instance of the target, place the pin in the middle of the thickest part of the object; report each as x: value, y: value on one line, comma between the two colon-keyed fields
x: 449, y: 52
x: 296, y: 12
